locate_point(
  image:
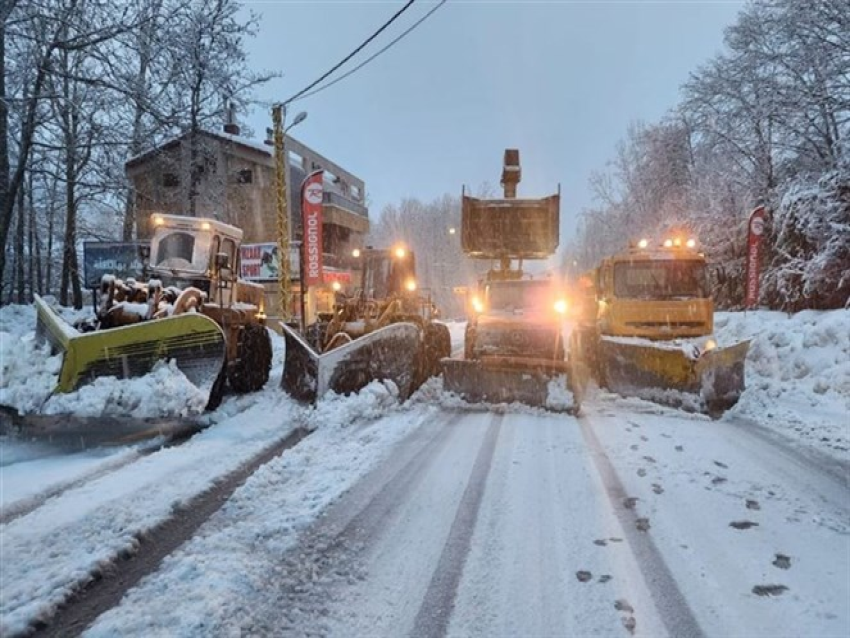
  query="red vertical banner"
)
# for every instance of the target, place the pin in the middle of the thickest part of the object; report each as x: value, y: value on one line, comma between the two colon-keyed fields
x: 311, y: 216
x: 756, y: 230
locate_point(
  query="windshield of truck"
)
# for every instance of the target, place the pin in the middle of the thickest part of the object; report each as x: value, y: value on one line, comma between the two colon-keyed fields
x: 674, y: 279
x: 519, y: 295
x: 175, y: 250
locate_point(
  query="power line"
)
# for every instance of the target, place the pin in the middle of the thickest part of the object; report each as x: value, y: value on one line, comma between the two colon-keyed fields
x: 353, y: 53
x: 372, y: 57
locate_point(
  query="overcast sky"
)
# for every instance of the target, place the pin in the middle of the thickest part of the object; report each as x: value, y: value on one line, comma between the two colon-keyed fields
x: 561, y: 81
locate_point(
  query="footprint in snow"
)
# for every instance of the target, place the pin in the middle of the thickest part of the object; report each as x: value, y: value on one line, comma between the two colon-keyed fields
x: 782, y: 561
x: 630, y: 623
x: 642, y: 524
x: 583, y: 576
x: 604, y: 578
x: 657, y: 488
x: 717, y: 480
x: 743, y: 524
x: 614, y: 539
x: 753, y: 505
x: 649, y: 459
x: 679, y: 448
x: 641, y: 472
x: 723, y: 465
x: 769, y: 590
x: 630, y: 502
x: 623, y: 605
x: 643, y: 438
x: 633, y: 447
x: 601, y: 542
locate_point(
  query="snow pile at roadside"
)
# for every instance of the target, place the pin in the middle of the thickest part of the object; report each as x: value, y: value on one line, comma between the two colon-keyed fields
x: 797, y: 372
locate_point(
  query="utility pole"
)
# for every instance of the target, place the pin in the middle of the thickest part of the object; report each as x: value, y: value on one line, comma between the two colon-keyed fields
x: 283, y: 275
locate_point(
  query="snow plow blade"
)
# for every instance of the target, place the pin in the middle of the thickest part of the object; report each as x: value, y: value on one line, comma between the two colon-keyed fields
x: 711, y: 382
x: 195, y: 343
x: 539, y: 383
x: 393, y: 352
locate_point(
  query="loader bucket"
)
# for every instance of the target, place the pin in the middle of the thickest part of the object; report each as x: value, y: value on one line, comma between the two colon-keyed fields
x: 710, y: 382
x: 195, y: 343
x: 393, y: 352
x: 544, y: 383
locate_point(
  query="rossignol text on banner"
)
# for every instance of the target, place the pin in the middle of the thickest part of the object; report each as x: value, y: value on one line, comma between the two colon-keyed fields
x: 311, y: 213
x: 756, y: 230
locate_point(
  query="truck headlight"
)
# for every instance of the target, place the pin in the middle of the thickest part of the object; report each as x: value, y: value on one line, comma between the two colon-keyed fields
x: 561, y: 306
x: 477, y: 305
x: 410, y: 284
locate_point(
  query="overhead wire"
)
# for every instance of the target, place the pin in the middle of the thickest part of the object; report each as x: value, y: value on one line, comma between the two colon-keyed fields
x: 370, y: 58
x: 353, y: 53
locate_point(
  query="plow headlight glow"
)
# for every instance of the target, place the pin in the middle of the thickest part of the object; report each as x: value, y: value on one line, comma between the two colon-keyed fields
x: 410, y: 285
x: 691, y: 243
x: 560, y: 306
x: 668, y: 243
x: 643, y: 243
x: 477, y: 305
x: 400, y: 252
x: 158, y: 220
x: 336, y: 286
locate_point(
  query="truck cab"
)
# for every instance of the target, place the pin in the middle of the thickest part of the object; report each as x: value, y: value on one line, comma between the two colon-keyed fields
x: 516, y: 318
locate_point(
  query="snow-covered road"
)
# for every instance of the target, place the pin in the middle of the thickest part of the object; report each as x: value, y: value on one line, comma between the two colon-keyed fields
x: 427, y: 519
x: 520, y: 523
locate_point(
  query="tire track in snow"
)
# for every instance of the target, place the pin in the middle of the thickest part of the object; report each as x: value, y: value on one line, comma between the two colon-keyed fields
x: 432, y: 620
x: 673, y: 608
x: 107, y: 588
x: 30, y: 504
x: 326, y: 554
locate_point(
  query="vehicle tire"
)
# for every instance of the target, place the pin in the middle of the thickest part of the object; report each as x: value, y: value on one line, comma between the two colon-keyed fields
x: 315, y: 334
x: 217, y: 391
x: 438, y: 345
x: 468, y: 342
x: 250, y: 370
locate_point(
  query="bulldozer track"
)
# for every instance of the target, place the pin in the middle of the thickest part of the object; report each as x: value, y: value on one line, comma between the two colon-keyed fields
x: 108, y: 587
x: 673, y: 608
x: 27, y: 506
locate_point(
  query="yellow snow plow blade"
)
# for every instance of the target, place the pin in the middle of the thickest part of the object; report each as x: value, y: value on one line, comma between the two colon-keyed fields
x: 195, y: 342
x: 540, y: 383
x: 710, y: 382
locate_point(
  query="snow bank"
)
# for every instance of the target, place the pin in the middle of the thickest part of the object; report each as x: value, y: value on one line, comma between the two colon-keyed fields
x: 797, y: 374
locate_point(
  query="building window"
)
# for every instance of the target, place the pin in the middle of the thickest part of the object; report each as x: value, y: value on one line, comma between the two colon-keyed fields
x: 245, y: 176
x: 170, y: 180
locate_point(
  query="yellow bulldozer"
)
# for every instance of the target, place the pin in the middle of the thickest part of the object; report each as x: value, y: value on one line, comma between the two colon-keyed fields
x: 192, y: 309
x: 645, y: 328
x: 385, y: 330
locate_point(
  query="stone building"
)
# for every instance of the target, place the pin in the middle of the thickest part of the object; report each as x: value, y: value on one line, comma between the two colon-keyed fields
x: 233, y: 180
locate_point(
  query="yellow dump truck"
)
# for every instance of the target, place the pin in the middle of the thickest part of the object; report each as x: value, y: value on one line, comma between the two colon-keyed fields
x: 645, y: 328
x: 513, y: 344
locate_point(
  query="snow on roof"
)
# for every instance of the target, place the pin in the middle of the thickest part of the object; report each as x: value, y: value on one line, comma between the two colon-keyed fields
x: 254, y: 145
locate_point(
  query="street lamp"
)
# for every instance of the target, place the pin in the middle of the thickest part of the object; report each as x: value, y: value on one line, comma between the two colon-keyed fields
x: 452, y: 230
x: 283, y: 274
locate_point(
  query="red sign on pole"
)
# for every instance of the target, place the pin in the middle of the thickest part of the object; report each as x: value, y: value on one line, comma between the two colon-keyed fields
x: 311, y: 215
x: 756, y: 230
